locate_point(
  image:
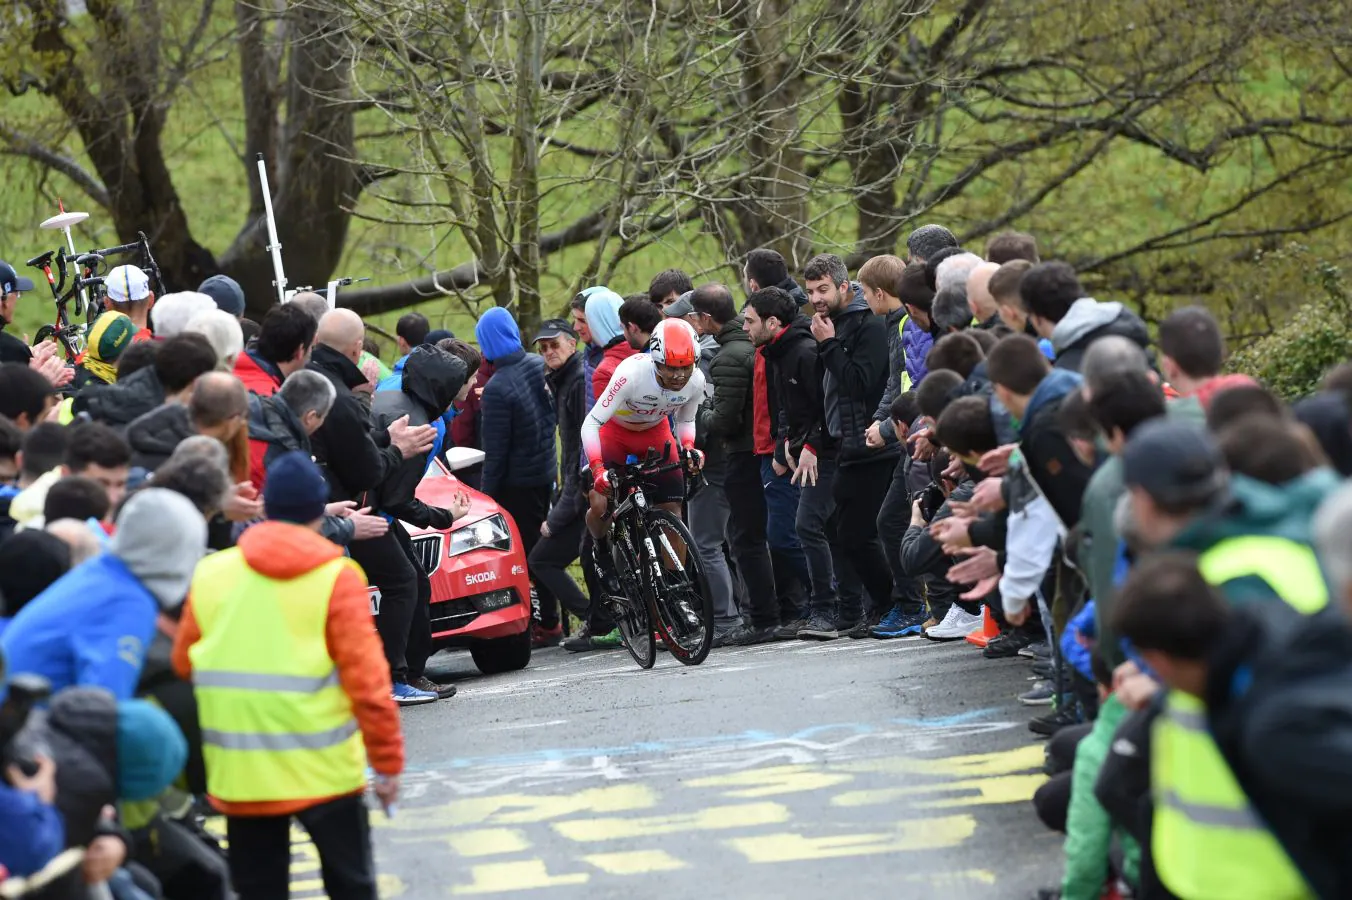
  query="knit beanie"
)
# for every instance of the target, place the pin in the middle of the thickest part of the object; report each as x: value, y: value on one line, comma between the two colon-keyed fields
x: 295, y: 490
x: 227, y: 293
x: 160, y: 538
x: 151, y: 750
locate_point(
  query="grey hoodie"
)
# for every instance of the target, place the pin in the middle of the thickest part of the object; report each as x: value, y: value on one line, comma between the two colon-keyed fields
x: 1088, y: 320
x: 160, y: 538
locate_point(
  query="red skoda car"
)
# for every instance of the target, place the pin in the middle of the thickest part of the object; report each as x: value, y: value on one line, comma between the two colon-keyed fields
x: 480, y: 590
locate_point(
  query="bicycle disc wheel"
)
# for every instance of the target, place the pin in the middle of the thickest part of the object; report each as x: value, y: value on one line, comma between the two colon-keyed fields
x: 685, y: 608
x: 632, y: 615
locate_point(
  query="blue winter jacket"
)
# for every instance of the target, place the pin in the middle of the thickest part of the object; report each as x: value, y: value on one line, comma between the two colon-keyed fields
x: 1074, y: 652
x: 32, y: 833
x: 90, y: 627
x: 517, y: 421
x: 916, y: 343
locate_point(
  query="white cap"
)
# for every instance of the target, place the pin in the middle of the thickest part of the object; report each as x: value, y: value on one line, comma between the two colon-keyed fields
x: 127, y: 284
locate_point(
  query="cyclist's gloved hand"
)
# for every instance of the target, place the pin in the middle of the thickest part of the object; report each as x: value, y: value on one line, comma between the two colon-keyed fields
x: 601, y: 483
x: 696, y: 458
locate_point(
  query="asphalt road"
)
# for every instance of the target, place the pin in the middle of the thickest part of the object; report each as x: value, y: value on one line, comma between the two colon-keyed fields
x: 846, y: 769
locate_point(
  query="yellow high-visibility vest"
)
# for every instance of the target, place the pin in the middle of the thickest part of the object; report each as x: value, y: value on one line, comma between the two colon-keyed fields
x: 1207, y: 840
x: 276, y: 724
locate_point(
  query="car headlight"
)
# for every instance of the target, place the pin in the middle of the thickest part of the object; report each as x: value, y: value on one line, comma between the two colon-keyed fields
x: 491, y: 533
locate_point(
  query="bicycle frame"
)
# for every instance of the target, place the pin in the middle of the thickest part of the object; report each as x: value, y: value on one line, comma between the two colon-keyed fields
x: 83, y: 288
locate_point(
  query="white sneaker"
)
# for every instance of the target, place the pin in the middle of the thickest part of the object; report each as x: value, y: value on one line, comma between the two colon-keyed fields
x: 955, y: 626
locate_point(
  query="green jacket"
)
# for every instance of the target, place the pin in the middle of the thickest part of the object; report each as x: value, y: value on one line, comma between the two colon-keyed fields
x: 728, y: 417
x: 1089, y: 830
x: 1098, y: 537
x: 1259, y: 509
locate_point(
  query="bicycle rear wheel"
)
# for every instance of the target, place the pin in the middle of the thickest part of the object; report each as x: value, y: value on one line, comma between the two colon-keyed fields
x: 685, y: 608
x: 632, y: 614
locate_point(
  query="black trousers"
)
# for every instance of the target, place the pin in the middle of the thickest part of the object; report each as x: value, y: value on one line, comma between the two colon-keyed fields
x: 529, y: 506
x: 894, y: 517
x: 746, y: 536
x: 419, y: 646
x: 859, y: 491
x: 549, y: 562
x: 391, y: 570
x: 260, y: 851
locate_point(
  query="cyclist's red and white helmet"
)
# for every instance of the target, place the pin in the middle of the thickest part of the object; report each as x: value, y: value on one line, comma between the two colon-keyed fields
x: 674, y: 344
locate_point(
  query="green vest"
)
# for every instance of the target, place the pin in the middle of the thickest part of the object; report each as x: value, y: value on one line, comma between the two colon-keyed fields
x: 276, y: 724
x: 1207, y: 841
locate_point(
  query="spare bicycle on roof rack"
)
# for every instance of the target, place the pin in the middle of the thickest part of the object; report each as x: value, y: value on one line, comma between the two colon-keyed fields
x: 77, y: 281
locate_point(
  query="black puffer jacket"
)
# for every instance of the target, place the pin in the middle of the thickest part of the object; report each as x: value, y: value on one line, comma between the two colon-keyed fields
x: 728, y: 416
x: 1279, y: 696
x: 794, y: 385
x: 273, y: 431
x: 516, y: 424
x: 568, y: 383
x: 855, y: 375
x: 432, y: 378
x: 154, y: 435
x: 118, y: 405
x: 354, y: 457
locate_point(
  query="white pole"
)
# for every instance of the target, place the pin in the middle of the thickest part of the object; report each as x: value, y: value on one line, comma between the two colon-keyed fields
x: 274, y: 245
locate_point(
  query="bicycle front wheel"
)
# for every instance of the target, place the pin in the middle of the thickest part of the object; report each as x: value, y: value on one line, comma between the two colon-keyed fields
x: 684, y: 606
x: 632, y: 614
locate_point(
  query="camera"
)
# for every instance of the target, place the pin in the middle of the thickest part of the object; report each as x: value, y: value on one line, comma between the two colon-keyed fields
x: 25, y: 693
x: 931, y: 498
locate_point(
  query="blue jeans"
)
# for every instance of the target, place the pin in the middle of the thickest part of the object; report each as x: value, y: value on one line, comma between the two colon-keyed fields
x: 781, y: 511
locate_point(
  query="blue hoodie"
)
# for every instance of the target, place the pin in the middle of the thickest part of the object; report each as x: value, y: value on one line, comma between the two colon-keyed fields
x: 32, y: 833
x: 91, y: 627
x: 1057, y: 384
x: 603, y: 315
x: 497, y: 334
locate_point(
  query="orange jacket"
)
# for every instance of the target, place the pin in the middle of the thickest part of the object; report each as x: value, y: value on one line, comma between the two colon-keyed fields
x: 281, y: 550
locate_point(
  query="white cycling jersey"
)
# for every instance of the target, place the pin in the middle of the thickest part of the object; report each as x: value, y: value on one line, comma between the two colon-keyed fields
x: 636, y: 402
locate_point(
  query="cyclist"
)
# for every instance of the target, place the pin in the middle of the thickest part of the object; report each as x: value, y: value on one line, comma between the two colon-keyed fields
x: 632, y: 416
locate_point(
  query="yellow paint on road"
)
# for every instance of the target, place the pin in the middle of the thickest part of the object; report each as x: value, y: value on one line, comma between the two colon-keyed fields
x: 712, y: 818
x: 516, y: 809
x: 639, y: 862
x: 773, y: 781
x: 525, y: 875
x: 488, y: 841
x: 915, y: 834
x: 989, y: 791
x: 976, y: 765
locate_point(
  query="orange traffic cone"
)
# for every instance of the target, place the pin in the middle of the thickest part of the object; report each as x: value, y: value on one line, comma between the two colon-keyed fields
x: 990, y: 629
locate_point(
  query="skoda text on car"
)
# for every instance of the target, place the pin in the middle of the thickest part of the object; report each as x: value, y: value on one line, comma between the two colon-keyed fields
x: 480, y: 589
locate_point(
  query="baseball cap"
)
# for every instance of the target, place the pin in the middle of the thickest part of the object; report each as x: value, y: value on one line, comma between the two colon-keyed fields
x: 127, y: 284
x: 552, y: 328
x: 111, y: 334
x: 11, y: 281
x: 439, y: 334
x: 1175, y: 462
x: 683, y: 306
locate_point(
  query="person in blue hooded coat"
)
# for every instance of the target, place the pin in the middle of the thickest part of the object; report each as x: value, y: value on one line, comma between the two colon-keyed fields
x: 518, y: 420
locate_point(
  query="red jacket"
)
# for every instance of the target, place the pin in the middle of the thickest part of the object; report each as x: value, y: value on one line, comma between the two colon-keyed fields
x: 284, y: 551
x: 613, y: 356
x: 465, y: 426
x: 258, y: 375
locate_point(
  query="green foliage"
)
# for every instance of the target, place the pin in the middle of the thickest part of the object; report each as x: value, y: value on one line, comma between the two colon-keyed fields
x: 1292, y: 359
